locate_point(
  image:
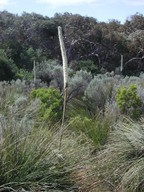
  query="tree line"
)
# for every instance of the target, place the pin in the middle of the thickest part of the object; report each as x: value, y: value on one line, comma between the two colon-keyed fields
x: 90, y: 45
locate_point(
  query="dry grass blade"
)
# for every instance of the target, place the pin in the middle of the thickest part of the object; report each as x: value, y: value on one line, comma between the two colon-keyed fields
x: 122, y: 161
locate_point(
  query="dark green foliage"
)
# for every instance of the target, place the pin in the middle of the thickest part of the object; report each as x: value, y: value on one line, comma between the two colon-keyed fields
x: 27, y: 37
x: 33, y: 36
x: 87, y: 65
x: 30, y: 55
x: 24, y: 74
x: 95, y: 129
x: 8, y: 69
x: 129, y: 102
x: 51, y: 103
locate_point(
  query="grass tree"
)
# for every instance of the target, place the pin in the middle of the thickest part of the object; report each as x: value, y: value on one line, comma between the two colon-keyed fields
x: 65, y: 78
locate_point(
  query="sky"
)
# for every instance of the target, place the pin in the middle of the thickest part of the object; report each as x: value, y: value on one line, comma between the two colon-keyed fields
x: 102, y: 10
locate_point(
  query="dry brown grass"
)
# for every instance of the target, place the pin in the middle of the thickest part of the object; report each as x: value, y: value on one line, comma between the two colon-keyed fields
x: 86, y: 181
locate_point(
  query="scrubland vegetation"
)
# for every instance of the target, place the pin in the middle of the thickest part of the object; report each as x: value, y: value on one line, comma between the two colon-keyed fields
x: 102, y: 147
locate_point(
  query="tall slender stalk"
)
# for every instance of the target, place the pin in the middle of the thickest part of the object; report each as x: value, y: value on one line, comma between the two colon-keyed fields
x: 65, y: 79
x: 121, y: 69
x: 34, y: 70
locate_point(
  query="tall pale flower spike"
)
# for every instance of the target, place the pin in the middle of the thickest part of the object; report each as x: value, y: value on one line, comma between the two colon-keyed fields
x: 65, y: 79
x: 34, y: 71
x: 64, y: 57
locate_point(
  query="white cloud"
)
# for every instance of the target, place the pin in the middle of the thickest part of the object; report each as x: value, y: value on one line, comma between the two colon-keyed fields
x: 57, y: 3
x: 4, y: 2
x: 134, y: 2
x: 7, y: 3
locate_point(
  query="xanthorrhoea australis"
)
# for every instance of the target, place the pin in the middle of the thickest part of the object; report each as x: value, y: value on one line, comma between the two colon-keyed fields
x: 65, y: 78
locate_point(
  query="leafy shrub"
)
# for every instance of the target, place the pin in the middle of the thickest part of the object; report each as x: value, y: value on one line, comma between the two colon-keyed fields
x: 98, y: 92
x: 78, y: 83
x: 8, y: 69
x: 87, y: 65
x: 128, y: 101
x: 51, y: 72
x: 57, y: 77
x: 51, y: 102
x: 24, y: 74
x: 94, y: 129
x: 44, y: 70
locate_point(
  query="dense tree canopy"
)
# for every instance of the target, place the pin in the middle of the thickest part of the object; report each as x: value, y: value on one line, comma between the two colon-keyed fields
x: 8, y: 69
x: 32, y: 37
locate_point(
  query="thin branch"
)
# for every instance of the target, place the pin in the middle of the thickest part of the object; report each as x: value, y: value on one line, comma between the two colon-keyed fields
x: 133, y: 59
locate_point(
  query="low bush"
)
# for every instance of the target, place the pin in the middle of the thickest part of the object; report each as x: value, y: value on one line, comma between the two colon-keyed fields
x: 51, y: 103
x: 98, y: 91
x: 51, y: 72
x: 24, y: 75
x: 78, y: 83
x: 88, y: 66
x: 8, y: 69
x: 94, y: 129
x: 128, y: 101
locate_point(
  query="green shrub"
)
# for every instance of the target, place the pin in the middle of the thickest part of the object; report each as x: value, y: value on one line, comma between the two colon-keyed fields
x: 87, y: 65
x: 8, y: 69
x: 128, y: 101
x: 24, y: 74
x: 51, y: 102
x: 94, y: 129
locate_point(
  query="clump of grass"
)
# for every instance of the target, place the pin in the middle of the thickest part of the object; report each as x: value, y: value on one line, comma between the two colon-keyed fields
x: 94, y: 129
x: 33, y: 158
x: 30, y: 157
x: 121, y: 162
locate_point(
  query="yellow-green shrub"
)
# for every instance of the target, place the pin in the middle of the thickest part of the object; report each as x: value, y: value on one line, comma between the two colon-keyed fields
x: 51, y: 102
x: 128, y: 101
x: 94, y: 129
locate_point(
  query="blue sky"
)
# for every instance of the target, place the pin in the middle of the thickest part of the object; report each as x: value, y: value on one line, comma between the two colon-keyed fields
x: 102, y: 10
